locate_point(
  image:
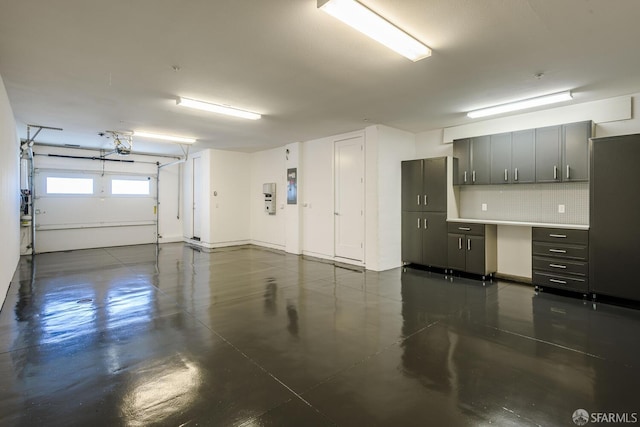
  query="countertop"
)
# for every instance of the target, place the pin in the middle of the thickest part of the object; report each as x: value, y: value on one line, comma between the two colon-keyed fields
x: 520, y: 223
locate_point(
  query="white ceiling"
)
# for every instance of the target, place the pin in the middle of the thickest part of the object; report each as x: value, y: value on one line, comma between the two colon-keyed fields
x: 91, y: 66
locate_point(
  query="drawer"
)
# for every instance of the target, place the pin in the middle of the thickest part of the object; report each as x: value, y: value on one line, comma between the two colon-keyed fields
x: 559, y: 235
x: 560, y: 251
x: 561, y: 266
x: 466, y: 228
x: 577, y: 284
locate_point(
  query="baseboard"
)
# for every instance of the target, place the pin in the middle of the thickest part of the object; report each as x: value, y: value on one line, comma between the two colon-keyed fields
x: 513, y: 278
x: 207, y: 245
x: 171, y: 239
x: 267, y: 245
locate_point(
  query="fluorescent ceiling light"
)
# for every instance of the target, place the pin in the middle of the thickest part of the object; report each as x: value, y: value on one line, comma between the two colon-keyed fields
x: 215, y: 108
x: 521, y: 105
x: 181, y: 139
x: 373, y: 25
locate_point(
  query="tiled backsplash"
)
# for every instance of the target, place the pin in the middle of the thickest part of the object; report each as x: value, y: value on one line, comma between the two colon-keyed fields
x: 527, y: 202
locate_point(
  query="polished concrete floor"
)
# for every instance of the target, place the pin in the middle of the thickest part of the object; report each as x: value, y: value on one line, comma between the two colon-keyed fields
x: 247, y: 336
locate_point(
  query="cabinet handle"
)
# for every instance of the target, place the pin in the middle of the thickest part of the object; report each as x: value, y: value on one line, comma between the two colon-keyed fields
x: 516, y: 174
x: 506, y: 176
x: 557, y: 266
x: 562, y: 282
x: 418, y: 222
x: 465, y: 176
x: 459, y: 242
x: 464, y: 228
x: 559, y: 236
x: 473, y: 176
x: 558, y: 251
x: 568, y: 171
x: 426, y: 224
x: 555, y: 172
x: 468, y: 244
x: 418, y: 200
x: 425, y: 200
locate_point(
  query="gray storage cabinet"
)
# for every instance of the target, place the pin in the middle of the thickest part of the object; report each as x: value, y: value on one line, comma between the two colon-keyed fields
x: 424, y: 212
x: 560, y: 259
x: 473, y: 164
x: 614, y: 257
x: 472, y: 248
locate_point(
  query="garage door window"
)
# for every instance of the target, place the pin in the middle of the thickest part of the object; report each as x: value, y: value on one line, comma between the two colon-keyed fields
x: 59, y: 185
x: 130, y: 187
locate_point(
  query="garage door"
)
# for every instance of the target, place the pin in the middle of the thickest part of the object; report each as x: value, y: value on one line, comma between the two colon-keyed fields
x: 78, y: 207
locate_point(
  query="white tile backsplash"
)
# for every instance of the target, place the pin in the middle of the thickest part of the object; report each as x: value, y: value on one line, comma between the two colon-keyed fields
x: 527, y: 202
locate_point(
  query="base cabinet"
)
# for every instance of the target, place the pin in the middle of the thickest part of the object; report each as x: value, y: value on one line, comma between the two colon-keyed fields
x: 560, y: 259
x: 472, y: 248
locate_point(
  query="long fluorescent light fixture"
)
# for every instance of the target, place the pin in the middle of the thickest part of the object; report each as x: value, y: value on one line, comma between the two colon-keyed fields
x: 373, y: 25
x: 215, y: 108
x: 180, y: 139
x: 521, y: 105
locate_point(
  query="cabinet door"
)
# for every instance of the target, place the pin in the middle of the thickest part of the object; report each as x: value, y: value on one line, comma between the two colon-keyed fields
x: 434, y: 239
x: 501, y: 158
x: 475, y: 254
x: 462, y: 152
x: 481, y: 160
x: 412, y: 185
x: 575, y: 163
x: 435, y: 185
x: 523, y: 155
x: 548, y: 154
x: 412, y: 237
x: 456, y: 251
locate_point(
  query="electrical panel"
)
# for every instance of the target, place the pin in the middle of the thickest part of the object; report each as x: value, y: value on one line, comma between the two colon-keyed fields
x: 269, y: 191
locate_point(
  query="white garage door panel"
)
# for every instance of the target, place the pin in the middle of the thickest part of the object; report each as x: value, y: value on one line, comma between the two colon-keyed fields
x: 96, y: 211
x: 84, y: 238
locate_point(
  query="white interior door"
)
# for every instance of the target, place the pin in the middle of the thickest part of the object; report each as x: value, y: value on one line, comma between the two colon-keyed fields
x: 349, y: 198
x: 197, y: 197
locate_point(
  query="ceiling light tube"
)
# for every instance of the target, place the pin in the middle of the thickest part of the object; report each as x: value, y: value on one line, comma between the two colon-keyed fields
x: 180, y: 139
x: 373, y: 25
x: 215, y: 108
x: 521, y: 105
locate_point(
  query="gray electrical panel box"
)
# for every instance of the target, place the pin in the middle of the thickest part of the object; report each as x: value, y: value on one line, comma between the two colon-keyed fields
x: 269, y: 191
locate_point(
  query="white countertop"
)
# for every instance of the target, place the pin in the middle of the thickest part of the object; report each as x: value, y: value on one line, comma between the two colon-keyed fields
x: 520, y: 223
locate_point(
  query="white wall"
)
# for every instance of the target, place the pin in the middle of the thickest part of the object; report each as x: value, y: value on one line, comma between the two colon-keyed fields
x: 266, y: 167
x: 9, y: 193
x: 386, y: 148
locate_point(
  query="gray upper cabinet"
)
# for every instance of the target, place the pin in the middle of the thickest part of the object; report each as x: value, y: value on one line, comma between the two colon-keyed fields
x: 548, y: 159
x: 501, y: 159
x: 434, y: 197
x: 412, y: 185
x: 473, y: 160
x: 575, y: 161
x: 549, y: 154
x: 481, y: 160
x: 462, y: 168
x: 523, y: 156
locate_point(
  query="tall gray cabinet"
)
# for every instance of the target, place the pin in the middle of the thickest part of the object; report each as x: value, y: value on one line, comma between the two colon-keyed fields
x: 424, y: 212
x: 614, y: 230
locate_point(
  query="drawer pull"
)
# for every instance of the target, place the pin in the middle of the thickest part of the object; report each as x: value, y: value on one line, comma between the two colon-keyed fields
x: 557, y: 266
x: 558, y: 251
x: 559, y: 236
x: 418, y: 222
x: 418, y: 200
x: 464, y: 228
x: 562, y: 282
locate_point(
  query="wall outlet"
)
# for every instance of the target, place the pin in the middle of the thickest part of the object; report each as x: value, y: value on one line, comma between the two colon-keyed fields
x: 484, y: 207
x: 560, y: 208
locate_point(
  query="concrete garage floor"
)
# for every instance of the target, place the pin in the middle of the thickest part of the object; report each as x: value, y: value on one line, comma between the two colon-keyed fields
x: 250, y: 336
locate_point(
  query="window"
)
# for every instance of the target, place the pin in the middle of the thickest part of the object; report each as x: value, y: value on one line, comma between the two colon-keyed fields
x: 57, y: 185
x: 130, y: 187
